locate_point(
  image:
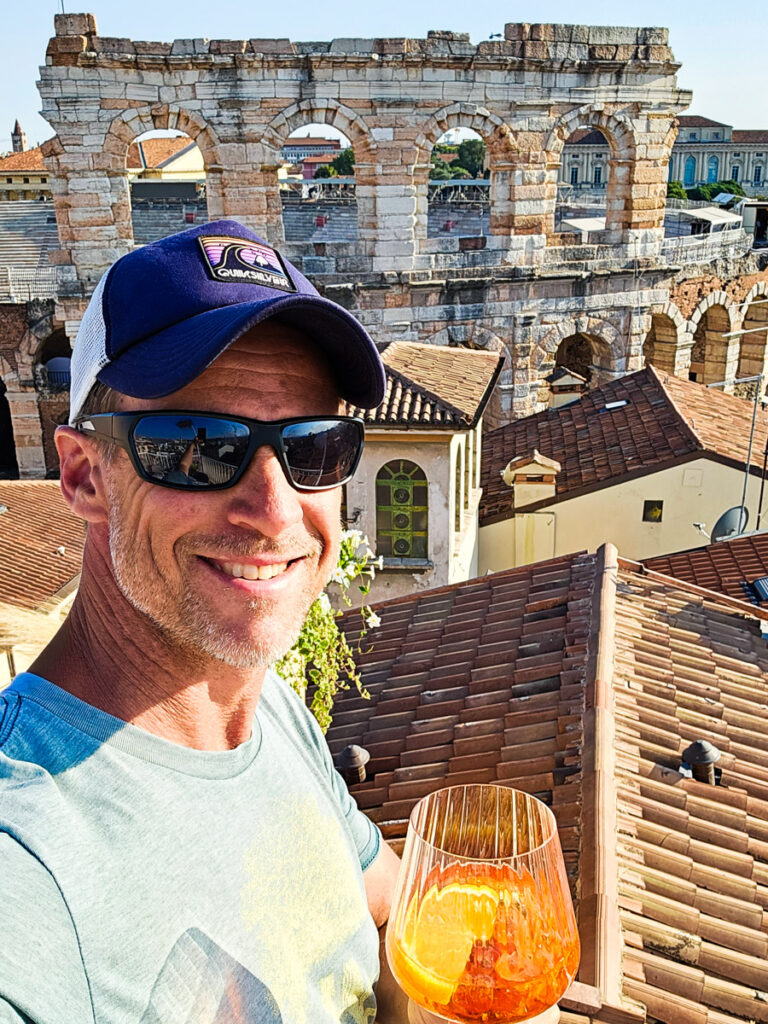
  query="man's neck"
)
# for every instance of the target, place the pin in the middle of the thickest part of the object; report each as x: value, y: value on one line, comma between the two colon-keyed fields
x: 121, y: 664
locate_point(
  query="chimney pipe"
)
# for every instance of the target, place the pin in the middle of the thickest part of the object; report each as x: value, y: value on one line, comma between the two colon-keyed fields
x: 351, y: 763
x: 701, y: 755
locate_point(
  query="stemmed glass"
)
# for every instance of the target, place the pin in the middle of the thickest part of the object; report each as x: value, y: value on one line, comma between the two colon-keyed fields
x: 482, y: 925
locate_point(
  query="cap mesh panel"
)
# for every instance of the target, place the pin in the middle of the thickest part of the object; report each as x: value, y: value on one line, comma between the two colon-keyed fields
x: 89, y: 353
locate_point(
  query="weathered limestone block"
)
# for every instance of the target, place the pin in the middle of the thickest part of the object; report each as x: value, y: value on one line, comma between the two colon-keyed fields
x: 74, y: 24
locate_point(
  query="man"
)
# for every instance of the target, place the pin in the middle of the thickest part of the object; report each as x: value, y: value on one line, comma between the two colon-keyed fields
x: 175, y: 846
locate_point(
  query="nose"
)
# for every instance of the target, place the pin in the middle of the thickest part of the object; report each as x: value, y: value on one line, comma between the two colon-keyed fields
x: 263, y: 500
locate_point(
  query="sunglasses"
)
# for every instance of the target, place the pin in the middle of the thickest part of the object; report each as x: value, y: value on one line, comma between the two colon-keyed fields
x: 191, y: 450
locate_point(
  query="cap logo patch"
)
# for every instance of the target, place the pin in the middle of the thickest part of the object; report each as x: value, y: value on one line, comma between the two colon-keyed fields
x: 238, y: 261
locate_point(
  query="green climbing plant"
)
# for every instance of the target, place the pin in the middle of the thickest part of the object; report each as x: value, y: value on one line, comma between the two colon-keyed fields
x: 321, y: 661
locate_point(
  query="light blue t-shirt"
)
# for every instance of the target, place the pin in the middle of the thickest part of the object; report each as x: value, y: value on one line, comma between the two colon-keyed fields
x: 143, y: 882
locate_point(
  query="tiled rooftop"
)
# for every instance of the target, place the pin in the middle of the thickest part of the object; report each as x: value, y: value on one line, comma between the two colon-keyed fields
x: 663, y: 420
x: 696, y: 121
x: 29, y: 160
x: 582, y: 680
x: 434, y: 386
x: 729, y: 566
x: 37, y: 522
x: 749, y: 135
x: 156, y: 152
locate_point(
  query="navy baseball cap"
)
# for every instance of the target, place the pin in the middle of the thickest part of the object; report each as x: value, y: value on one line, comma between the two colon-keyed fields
x: 162, y: 313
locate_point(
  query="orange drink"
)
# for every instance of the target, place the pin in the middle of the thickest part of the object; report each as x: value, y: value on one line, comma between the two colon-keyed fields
x: 482, y: 927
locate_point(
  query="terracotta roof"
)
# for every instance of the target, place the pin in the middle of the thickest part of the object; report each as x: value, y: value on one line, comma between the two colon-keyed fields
x: 434, y: 386
x: 665, y: 419
x: 587, y: 137
x: 582, y: 680
x: 695, y: 121
x: 309, y: 140
x: 156, y: 152
x: 36, y: 523
x: 319, y: 158
x: 748, y: 136
x: 29, y: 160
x: 729, y: 566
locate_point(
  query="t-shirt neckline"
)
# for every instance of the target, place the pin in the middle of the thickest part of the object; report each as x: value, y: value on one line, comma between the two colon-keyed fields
x: 133, y: 740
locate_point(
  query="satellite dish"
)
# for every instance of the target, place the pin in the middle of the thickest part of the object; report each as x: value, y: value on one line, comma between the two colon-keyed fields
x: 731, y: 523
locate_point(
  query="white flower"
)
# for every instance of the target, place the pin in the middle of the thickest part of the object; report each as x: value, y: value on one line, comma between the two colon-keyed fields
x: 325, y: 602
x: 353, y: 536
x: 372, y: 620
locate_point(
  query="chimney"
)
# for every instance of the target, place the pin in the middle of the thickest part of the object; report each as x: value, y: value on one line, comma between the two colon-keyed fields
x: 701, y: 755
x: 532, y: 477
x: 351, y: 763
x: 565, y: 387
x: 18, y: 139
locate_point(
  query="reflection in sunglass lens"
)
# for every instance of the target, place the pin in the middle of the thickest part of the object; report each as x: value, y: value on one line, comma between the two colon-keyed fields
x: 190, y: 451
x: 321, y: 453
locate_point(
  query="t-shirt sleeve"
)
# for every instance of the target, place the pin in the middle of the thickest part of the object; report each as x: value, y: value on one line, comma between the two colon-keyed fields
x: 365, y: 835
x: 42, y: 978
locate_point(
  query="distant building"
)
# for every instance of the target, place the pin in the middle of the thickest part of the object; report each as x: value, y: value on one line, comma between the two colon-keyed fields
x: 295, y: 150
x: 18, y: 139
x: 637, y: 462
x: 705, y: 151
x: 417, y: 492
x: 23, y: 175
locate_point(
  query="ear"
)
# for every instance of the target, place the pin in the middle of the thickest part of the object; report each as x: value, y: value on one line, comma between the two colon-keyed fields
x: 82, y: 477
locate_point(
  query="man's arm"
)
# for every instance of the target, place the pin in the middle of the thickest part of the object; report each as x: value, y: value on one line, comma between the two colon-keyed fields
x: 380, y: 878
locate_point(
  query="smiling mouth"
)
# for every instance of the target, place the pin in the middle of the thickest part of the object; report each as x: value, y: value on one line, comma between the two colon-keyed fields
x: 239, y: 571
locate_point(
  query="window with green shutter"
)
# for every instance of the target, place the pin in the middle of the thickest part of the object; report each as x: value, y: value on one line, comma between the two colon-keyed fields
x: 401, y: 510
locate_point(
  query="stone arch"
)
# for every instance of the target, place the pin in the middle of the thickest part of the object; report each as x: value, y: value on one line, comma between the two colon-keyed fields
x: 617, y: 129
x: 346, y: 120
x: 321, y: 111
x: 664, y: 343
x: 472, y: 335
x: 753, y: 350
x: 131, y: 123
x: 610, y: 346
x: 714, y: 357
x: 500, y: 147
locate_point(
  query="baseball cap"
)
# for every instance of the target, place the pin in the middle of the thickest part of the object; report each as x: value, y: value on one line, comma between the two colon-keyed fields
x: 162, y: 313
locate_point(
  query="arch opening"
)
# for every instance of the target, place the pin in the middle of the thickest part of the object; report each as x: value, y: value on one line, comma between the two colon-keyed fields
x: 52, y: 363
x: 458, y: 198
x: 316, y: 178
x: 583, y: 181
x: 713, y: 356
x: 753, y: 348
x: 584, y: 354
x: 167, y: 184
x: 9, y: 466
x: 660, y: 345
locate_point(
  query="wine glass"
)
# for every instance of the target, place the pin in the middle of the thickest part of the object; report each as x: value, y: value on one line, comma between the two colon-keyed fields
x: 482, y: 925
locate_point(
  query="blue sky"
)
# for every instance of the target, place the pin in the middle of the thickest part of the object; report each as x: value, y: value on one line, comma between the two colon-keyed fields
x: 723, y: 48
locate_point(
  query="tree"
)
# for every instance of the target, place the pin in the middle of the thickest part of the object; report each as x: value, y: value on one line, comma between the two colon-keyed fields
x: 344, y: 163
x: 325, y: 171
x: 472, y: 156
x: 707, y: 192
x: 440, y: 172
x: 675, y: 190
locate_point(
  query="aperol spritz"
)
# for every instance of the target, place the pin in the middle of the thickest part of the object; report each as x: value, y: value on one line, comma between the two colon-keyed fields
x: 482, y: 927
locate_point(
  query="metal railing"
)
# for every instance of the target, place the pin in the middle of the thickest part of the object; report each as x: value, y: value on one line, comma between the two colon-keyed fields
x: 704, y: 248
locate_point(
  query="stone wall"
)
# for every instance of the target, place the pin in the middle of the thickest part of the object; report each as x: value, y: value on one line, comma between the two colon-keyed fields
x: 23, y: 329
x: 522, y: 289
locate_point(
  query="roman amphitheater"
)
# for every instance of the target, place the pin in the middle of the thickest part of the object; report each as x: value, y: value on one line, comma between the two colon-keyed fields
x: 605, y: 303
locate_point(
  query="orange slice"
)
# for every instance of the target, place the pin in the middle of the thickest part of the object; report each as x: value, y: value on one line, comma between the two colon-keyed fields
x: 440, y: 931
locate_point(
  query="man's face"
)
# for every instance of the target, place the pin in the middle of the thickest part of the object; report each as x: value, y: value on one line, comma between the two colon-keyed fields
x: 181, y: 557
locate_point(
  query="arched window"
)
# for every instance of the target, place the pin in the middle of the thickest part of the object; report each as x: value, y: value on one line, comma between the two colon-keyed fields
x: 689, y: 175
x: 713, y: 168
x: 401, y: 510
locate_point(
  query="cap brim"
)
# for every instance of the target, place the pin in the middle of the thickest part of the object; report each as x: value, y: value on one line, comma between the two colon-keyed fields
x: 165, y: 362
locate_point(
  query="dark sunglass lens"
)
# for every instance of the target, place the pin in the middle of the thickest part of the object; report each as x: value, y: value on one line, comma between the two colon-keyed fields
x: 190, y: 451
x: 321, y: 453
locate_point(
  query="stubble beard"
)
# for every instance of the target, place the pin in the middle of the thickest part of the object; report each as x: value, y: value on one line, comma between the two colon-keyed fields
x: 186, y: 624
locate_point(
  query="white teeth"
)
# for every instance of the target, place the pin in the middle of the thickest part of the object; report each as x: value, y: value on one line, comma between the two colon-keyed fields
x: 252, y: 572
